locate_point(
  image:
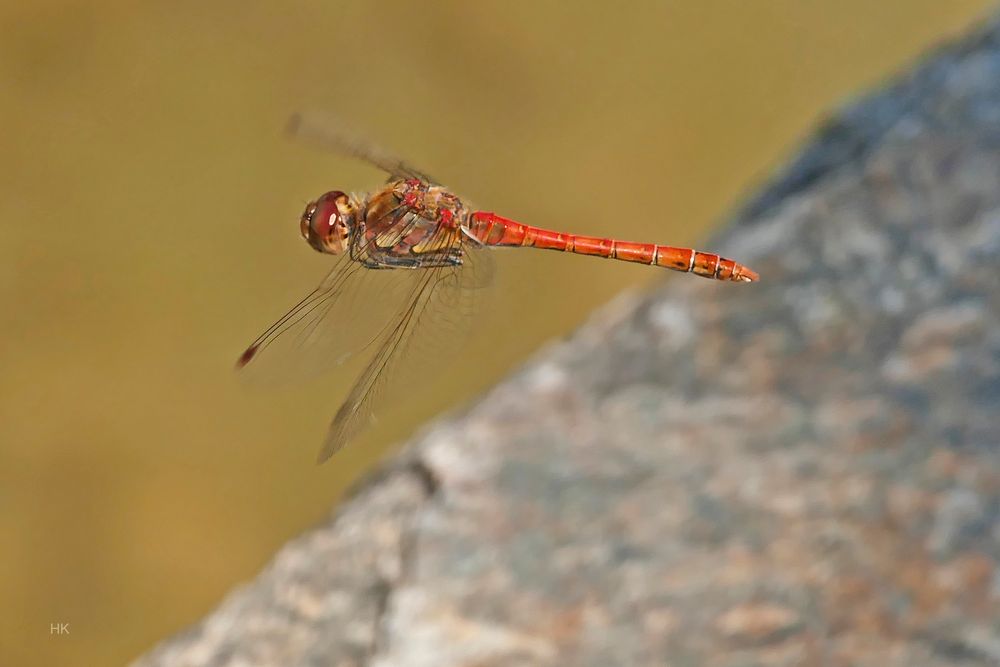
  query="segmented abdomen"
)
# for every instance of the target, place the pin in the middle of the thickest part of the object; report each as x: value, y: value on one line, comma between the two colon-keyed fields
x: 494, y: 230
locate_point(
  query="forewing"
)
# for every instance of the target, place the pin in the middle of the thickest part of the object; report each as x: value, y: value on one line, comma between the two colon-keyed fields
x: 329, y: 132
x: 347, y: 312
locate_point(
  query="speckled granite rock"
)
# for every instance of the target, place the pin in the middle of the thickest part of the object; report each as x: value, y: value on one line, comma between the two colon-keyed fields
x: 800, y: 472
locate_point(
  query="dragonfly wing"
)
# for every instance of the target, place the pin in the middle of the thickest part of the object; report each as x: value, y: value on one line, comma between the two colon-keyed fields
x: 330, y: 133
x: 347, y: 312
x: 431, y: 328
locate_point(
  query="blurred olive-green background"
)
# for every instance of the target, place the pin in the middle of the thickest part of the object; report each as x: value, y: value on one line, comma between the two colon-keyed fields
x: 149, y: 230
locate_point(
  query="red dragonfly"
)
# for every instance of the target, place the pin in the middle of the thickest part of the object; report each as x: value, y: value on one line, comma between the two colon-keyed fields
x: 419, y: 250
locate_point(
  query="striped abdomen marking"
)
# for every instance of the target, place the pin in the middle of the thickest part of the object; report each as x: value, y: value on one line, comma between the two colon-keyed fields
x: 494, y: 230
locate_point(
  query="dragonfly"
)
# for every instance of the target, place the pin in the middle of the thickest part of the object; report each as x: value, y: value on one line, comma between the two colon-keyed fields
x: 412, y: 259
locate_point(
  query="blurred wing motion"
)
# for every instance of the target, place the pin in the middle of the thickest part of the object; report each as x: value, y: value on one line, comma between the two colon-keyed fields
x: 330, y: 133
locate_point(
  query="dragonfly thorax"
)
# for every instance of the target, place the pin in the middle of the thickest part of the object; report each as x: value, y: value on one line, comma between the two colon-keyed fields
x: 328, y: 222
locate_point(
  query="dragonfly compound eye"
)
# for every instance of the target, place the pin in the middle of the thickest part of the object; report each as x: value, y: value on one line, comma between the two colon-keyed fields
x: 326, y: 222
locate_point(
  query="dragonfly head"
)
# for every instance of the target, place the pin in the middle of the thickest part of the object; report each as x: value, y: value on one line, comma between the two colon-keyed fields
x: 327, y: 223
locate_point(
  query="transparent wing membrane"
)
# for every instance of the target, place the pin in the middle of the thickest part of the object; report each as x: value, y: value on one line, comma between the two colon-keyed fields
x: 415, y: 347
x: 342, y: 315
x: 345, y: 314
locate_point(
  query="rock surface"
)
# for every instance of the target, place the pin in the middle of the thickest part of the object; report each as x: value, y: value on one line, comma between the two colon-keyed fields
x: 805, y: 471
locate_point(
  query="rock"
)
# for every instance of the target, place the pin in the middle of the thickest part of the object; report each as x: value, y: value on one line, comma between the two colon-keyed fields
x: 802, y: 471
x: 758, y: 623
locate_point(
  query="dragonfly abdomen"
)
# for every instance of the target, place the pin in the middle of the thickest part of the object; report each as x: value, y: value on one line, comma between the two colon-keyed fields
x: 494, y: 230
